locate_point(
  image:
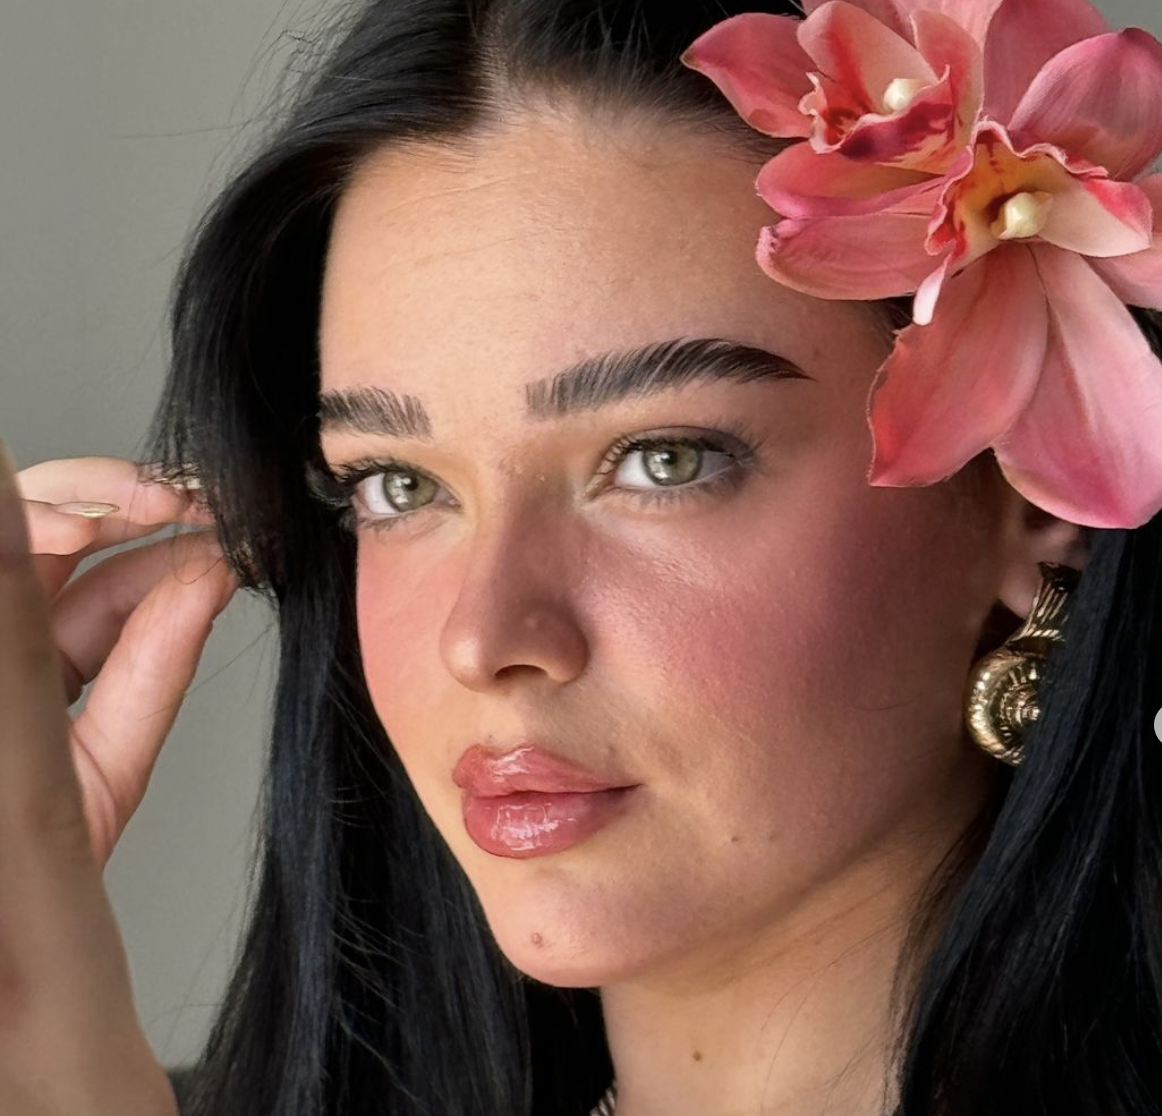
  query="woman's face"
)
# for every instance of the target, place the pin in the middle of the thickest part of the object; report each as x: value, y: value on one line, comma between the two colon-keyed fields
x: 772, y: 651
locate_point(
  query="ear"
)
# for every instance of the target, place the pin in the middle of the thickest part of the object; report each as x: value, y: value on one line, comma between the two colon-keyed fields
x: 1038, y: 536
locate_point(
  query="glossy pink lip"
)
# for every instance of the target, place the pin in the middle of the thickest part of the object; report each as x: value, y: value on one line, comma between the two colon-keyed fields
x: 532, y: 823
x: 528, y: 802
x: 527, y: 767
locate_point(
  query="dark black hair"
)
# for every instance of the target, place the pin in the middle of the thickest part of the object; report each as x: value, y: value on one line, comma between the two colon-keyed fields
x: 368, y: 982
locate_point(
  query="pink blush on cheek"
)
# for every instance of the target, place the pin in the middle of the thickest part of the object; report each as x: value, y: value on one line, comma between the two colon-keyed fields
x: 397, y: 638
x: 840, y: 647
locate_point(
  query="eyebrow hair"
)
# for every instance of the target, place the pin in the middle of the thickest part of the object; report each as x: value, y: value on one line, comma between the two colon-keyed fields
x: 595, y: 382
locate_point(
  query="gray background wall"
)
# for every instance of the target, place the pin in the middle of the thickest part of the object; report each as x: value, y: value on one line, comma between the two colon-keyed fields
x: 120, y: 120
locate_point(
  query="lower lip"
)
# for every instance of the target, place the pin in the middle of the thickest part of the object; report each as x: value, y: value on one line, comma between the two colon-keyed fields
x: 532, y: 823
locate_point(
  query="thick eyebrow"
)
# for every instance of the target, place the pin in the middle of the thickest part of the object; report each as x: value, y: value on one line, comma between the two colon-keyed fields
x: 595, y: 382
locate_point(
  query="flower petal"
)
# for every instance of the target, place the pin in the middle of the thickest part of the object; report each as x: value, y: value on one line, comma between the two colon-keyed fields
x: 800, y: 183
x: 832, y: 107
x: 859, y: 52
x: 1088, y: 447
x: 949, y: 50
x: 1097, y: 217
x: 924, y: 304
x: 921, y: 137
x: 1137, y: 279
x: 886, y: 11
x: 880, y: 255
x: 1102, y: 99
x: 974, y: 179
x: 1023, y: 36
x: 950, y: 388
x: 756, y: 60
x: 973, y: 15
x: 936, y: 124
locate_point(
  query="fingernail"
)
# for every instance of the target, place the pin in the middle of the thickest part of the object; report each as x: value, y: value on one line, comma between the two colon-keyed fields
x: 87, y: 508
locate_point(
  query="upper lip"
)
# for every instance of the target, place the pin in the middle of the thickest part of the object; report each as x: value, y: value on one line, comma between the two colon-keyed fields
x: 486, y: 773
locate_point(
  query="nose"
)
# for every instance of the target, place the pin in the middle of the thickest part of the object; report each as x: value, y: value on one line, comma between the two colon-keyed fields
x: 516, y: 610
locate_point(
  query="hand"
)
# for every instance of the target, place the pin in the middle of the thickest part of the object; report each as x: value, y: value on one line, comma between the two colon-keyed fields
x: 70, y: 1040
x: 136, y: 623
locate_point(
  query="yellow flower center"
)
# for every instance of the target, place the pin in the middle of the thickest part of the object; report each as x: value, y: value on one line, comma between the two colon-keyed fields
x: 1022, y: 216
x: 901, y: 93
x: 1004, y: 197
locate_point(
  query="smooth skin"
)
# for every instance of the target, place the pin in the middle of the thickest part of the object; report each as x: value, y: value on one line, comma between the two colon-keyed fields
x: 71, y: 1042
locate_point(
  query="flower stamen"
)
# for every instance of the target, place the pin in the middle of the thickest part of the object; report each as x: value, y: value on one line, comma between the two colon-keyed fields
x: 1024, y: 215
x: 901, y: 93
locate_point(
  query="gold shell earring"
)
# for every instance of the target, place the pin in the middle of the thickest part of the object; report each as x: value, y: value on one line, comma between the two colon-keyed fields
x: 1001, y: 698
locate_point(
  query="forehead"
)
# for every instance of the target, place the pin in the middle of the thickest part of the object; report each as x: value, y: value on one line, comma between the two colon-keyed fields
x: 525, y: 250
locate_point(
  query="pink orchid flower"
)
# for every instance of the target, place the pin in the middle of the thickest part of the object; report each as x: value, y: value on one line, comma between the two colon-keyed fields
x: 1023, y: 228
x: 906, y: 97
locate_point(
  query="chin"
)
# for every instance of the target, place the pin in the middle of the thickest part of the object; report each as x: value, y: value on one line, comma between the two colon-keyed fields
x: 564, y: 969
x: 570, y: 946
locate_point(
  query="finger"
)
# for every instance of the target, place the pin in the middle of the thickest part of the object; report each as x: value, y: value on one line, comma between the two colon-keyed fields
x: 38, y: 785
x: 53, y: 570
x: 51, y: 531
x: 140, y: 498
x: 61, y: 541
x: 110, y: 480
x: 135, y: 698
x: 58, y: 543
x: 89, y: 613
x: 143, y: 505
x: 56, y: 530
x: 137, y: 501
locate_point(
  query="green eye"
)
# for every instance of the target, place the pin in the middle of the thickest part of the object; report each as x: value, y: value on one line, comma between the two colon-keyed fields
x: 396, y: 491
x: 661, y: 469
x: 670, y: 462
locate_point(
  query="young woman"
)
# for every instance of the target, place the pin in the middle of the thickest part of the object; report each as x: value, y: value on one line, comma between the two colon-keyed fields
x: 636, y: 746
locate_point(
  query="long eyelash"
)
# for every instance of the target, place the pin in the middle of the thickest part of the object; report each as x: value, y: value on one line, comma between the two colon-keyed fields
x: 620, y: 449
x: 336, y: 487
